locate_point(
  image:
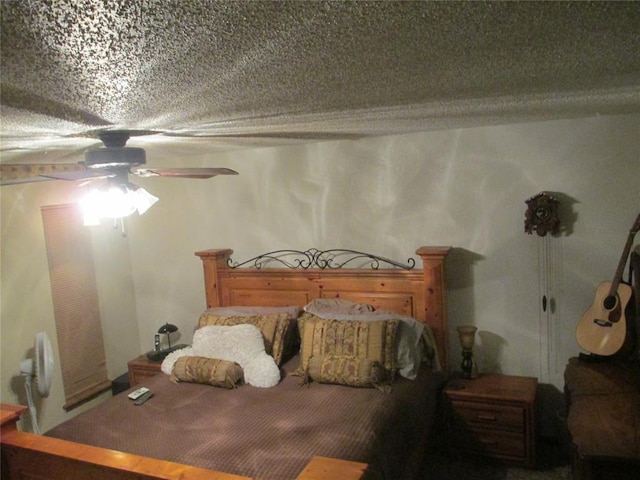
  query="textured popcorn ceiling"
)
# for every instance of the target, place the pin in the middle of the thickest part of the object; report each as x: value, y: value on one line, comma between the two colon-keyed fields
x: 244, y: 73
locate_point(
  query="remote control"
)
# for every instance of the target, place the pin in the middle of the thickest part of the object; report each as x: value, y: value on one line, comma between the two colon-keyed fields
x: 143, y: 398
x: 137, y: 393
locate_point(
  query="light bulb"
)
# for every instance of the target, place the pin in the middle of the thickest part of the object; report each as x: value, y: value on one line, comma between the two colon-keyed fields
x: 116, y: 201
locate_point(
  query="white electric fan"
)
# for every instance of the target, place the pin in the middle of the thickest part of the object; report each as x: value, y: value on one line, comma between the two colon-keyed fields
x: 40, y: 370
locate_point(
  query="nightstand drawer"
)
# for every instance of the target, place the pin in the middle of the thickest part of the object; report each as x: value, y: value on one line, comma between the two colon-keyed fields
x: 490, y: 442
x: 493, y: 416
x: 140, y: 376
x: 141, y: 368
x: 469, y: 414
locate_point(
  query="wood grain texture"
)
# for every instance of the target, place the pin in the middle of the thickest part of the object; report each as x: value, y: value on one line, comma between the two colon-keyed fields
x: 419, y: 293
x: 493, y: 416
x: 323, y: 468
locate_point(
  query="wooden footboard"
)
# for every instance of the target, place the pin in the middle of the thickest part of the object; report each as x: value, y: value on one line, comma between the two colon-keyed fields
x: 419, y: 293
x: 29, y: 456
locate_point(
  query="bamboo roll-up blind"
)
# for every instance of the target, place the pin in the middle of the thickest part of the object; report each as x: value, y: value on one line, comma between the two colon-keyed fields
x: 75, y: 303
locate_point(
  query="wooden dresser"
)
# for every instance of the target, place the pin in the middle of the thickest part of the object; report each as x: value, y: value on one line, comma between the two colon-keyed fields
x: 141, y: 368
x: 493, y: 416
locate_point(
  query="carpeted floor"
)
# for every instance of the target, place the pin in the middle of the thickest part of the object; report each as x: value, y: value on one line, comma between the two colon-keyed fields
x: 466, y: 470
x: 552, y: 464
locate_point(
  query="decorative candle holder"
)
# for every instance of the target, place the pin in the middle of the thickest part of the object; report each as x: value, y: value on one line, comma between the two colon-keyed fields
x: 466, y: 336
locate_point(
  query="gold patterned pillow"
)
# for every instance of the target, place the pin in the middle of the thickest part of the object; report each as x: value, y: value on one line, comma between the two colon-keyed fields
x: 374, y: 341
x: 302, y: 319
x: 212, y: 371
x: 348, y: 370
x: 277, y: 329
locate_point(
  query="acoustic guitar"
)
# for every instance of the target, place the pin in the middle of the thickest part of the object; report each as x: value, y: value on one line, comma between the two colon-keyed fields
x: 603, y: 327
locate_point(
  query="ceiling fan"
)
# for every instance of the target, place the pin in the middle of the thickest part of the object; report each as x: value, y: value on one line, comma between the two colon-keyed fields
x: 114, y: 159
x: 109, y: 165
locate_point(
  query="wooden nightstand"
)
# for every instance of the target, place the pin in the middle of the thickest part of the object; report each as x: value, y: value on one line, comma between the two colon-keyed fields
x: 493, y: 416
x: 141, y: 368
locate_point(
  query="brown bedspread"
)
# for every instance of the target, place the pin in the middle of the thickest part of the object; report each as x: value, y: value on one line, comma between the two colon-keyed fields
x: 268, y: 433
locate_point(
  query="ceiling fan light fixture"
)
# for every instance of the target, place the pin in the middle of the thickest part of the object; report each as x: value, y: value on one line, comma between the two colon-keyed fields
x: 115, y: 201
x: 144, y: 200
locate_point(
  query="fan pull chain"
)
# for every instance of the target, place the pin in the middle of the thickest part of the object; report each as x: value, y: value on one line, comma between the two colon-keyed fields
x: 122, y: 229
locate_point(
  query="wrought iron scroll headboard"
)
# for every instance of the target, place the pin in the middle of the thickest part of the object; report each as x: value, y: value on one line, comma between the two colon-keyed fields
x: 322, y: 259
x: 299, y: 277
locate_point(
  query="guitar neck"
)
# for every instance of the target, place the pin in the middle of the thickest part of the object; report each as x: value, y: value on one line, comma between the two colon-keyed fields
x: 623, y: 259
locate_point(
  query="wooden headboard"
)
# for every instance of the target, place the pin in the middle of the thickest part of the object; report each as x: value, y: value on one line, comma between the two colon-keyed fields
x: 416, y: 292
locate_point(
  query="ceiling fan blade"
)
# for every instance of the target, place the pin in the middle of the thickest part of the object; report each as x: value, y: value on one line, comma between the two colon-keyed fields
x: 79, y: 175
x: 15, y: 181
x: 184, y: 172
x: 26, y: 173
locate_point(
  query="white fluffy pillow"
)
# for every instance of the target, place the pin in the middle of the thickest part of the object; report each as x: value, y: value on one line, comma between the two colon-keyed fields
x: 238, y: 343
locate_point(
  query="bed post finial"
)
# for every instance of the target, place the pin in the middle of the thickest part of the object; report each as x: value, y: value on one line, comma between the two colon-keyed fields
x: 212, y: 262
x: 435, y: 305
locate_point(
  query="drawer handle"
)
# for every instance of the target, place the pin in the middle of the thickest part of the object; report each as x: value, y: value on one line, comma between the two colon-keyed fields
x: 487, y: 441
x: 487, y: 418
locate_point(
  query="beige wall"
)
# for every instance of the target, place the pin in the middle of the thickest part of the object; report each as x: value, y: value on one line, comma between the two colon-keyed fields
x: 466, y: 188
x: 26, y: 294
x: 387, y: 195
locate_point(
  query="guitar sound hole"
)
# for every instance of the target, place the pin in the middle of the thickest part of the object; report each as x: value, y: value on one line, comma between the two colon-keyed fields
x: 610, y: 302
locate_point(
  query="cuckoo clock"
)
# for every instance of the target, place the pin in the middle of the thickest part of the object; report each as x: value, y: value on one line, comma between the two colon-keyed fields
x: 541, y: 215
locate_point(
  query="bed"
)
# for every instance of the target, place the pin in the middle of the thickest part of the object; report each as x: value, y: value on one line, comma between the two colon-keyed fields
x: 301, y: 428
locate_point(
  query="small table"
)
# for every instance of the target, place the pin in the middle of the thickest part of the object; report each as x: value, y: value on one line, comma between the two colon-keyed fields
x: 141, y: 368
x: 493, y: 416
